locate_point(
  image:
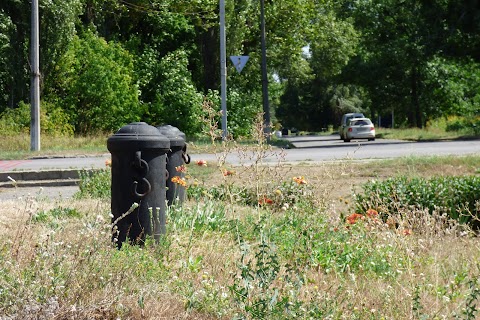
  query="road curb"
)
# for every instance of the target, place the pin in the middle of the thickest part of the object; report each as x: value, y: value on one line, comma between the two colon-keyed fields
x: 59, y: 177
x: 40, y: 183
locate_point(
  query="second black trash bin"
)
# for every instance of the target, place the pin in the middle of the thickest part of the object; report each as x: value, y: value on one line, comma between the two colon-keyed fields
x: 177, y: 157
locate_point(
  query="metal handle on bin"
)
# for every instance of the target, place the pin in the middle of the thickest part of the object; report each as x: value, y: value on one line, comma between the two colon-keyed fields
x: 143, y: 168
x: 186, y: 158
x: 139, y: 163
x: 147, y: 183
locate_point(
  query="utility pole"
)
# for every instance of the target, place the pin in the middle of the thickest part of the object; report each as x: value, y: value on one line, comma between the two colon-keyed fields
x: 266, y: 106
x: 35, y: 82
x: 223, y: 71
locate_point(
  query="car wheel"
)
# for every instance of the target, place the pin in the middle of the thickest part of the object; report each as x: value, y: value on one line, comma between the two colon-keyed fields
x: 346, y: 140
x: 373, y: 139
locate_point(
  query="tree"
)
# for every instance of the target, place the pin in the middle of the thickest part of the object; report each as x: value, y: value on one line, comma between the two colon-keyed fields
x: 306, y: 103
x: 453, y: 87
x: 176, y: 101
x: 6, y: 52
x: 400, y: 43
x: 15, y: 31
x: 58, y: 19
x: 95, y: 85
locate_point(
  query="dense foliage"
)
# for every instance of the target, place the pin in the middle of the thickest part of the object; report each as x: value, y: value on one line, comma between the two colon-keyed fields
x: 456, y: 197
x: 106, y: 63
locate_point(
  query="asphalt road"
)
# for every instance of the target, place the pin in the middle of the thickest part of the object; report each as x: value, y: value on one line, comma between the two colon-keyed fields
x: 325, y: 148
x: 307, y: 148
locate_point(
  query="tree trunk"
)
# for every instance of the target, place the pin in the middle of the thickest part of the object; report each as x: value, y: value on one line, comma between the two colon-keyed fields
x: 211, y: 60
x: 415, y: 103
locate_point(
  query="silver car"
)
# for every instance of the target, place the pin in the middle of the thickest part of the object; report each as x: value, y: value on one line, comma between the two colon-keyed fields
x: 359, y: 128
x: 345, y: 118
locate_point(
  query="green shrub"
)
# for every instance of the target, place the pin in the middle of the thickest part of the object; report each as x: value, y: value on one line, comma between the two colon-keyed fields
x: 457, y: 196
x: 55, y: 213
x: 17, y: 120
x: 53, y: 120
x: 464, y: 124
x: 203, y: 216
x: 95, y: 85
x: 94, y: 184
x: 356, y: 250
x: 282, y: 195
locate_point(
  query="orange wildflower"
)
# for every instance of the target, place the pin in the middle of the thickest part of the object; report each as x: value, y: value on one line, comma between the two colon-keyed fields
x: 181, y: 168
x: 228, y: 173
x: 372, y: 213
x: 178, y: 180
x: 354, y: 217
x: 406, y: 232
x: 265, y: 200
x: 300, y: 180
x: 108, y: 162
x: 202, y: 163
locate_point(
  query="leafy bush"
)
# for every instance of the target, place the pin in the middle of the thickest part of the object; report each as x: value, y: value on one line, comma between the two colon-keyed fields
x: 260, y: 289
x: 283, y: 195
x: 201, y: 217
x: 53, y: 120
x: 177, y: 101
x: 14, y: 121
x: 7, y: 29
x: 452, y: 86
x: 55, y: 213
x: 464, y: 124
x: 94, y: 184
x: 95, y: 85
x: 457, y: 196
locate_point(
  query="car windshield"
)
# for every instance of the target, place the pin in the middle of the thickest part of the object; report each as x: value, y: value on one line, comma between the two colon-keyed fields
x: 363, y: 122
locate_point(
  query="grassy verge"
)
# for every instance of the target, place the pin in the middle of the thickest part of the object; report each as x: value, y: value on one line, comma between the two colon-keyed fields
x: 415, y: 134
x: 250, y: 242
x: 18, y: 146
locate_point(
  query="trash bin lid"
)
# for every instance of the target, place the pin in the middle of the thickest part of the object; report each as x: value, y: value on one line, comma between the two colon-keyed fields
x: 138, y: 136
x: 177, y: 137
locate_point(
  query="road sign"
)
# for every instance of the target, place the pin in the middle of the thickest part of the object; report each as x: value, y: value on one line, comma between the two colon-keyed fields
x: 239, y: 62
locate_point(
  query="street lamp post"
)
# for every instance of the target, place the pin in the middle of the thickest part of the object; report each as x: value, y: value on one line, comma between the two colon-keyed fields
x: 35, y: 82
x: 266, y: 106
x: 223, y: 71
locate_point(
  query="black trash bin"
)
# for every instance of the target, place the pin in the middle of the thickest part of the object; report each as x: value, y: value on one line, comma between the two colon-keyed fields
x: 177, y: 157
x: 138, y: 176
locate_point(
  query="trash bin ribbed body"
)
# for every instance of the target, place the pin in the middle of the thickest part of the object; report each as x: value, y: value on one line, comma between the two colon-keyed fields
x: 177, y: 157
x: 138, y: 176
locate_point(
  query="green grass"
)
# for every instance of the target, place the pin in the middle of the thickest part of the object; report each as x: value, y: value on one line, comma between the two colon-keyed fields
x: 18, y: 146
x: 415, y: 134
